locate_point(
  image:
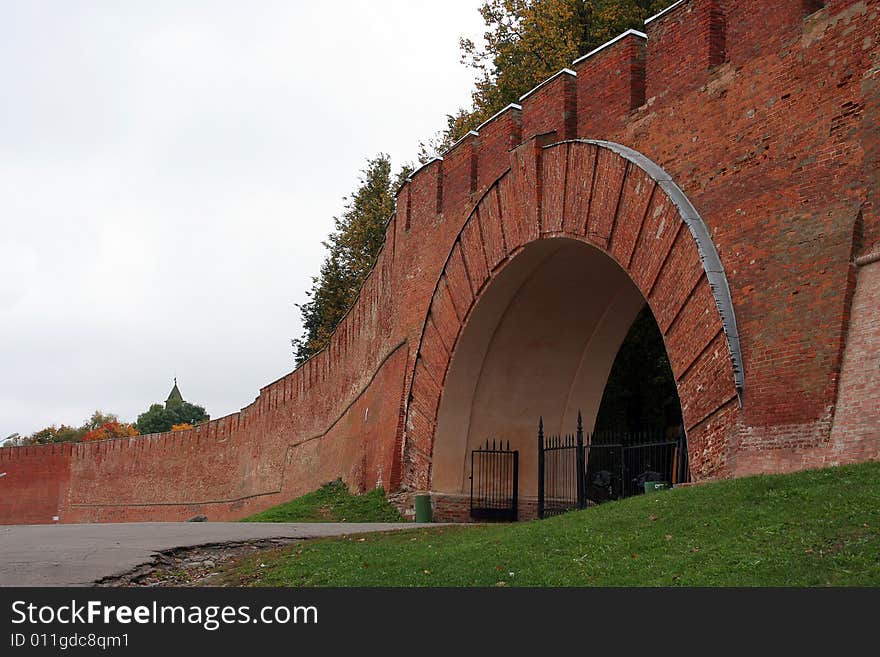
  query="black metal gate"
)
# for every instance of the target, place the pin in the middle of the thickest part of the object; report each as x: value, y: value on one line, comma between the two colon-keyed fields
x: 559, y: 462
x: 574, y: 471
x: 494, y: 482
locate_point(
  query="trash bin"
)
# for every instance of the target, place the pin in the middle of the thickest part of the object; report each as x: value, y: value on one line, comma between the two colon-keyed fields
x: 423, y: 508
x: 651, y: 486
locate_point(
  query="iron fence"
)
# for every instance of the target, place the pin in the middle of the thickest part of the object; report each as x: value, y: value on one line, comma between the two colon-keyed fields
x: 574, y: 471
x: 494, y: 482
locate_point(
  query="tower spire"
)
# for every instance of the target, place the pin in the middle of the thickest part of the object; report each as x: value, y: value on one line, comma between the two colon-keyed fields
x: 174, y: 397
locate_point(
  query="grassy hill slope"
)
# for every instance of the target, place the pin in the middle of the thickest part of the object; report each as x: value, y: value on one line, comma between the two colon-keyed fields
x: 332, y: 503
x: 813, y: 528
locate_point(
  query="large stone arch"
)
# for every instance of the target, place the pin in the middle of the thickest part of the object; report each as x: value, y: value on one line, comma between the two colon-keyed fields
x: 622, y: 205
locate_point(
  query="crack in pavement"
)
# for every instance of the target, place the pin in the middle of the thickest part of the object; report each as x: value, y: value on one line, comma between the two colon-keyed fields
x: 190, y: 565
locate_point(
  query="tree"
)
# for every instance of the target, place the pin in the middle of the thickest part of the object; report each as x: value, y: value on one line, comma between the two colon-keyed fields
x: 100, y: 426
x: 159, y: 418
x: 110, y: 429
x: 352, y: 249
x: 527, y: 41
x: 99, y: 419
x: 52, y: 435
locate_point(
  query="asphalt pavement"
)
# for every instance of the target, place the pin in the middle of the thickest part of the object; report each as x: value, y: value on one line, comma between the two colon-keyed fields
x: 79, y: 555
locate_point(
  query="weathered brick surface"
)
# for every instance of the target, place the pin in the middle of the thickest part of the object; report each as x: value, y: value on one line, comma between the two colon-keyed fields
x: 459, y: 180
x: 496, y: 139
x: 611, y: 83
x: 35, y: 484
x: 766, y: 117
x: 578, y: 185
x: 695, y: 327
x: 659, y: 230
x: 444, y: 314
x: 457, y: 508
x: 610, y: 171
x: 459, y: 281
x: 551, y: 108
x: 434, y: 354
x: 492, y: 229
x: 705, y: 387
x: 676, y: 281
x: 553, y: 173
x: 521, y: 198
x: 636, y: 197
x: 683, y: 45
x: 474, y: 258
x: 709, y: 443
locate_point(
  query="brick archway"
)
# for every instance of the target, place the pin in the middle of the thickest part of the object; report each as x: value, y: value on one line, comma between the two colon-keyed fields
x: 619, y: 202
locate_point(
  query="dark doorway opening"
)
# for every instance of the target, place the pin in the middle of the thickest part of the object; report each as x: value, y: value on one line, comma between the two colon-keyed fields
x: 640, y: 395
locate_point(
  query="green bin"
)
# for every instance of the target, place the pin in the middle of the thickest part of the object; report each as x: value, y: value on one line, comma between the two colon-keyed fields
x: 423, y: 508
x: 651, y: 486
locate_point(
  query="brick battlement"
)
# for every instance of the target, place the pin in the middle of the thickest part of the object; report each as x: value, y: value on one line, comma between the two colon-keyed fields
x: 764, y: 117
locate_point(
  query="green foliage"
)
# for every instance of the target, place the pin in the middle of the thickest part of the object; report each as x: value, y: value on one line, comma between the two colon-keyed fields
x: 817, y: 528
x: 158, y: 418
x: 640, y: 393
x: 106, y: 425
x: 332, y: 503
x: 527, y: 41
x: 352, y: 249
x: 53, y: 434
x: 98, y: 419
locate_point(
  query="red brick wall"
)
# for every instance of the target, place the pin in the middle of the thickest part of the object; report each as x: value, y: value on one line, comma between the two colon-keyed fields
x: 765, y: 114
x: 233, y: 469
x: 604, y: 101
x: 457, y: 508
x: 855, y: 435
x: 33, y: 484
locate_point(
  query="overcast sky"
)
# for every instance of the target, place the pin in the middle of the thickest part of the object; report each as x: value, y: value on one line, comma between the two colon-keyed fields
x: 167, y: 173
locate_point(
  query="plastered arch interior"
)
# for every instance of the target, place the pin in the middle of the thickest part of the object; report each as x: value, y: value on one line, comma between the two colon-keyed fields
x: 540, y: 342
x: 537, y: 294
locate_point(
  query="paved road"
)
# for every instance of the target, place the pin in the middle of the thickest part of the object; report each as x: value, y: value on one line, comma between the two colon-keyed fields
x: 78, y: 555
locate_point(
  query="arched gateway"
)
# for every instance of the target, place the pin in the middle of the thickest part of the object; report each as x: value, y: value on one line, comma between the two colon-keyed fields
x: 536, y: 296
x: 513, y: 265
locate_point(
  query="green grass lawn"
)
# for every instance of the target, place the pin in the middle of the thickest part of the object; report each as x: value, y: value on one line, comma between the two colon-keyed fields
x: 332, y: 503
x: 814, y: 528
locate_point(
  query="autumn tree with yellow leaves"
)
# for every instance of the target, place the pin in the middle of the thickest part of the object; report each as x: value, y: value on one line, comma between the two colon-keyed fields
x: 527, y: 41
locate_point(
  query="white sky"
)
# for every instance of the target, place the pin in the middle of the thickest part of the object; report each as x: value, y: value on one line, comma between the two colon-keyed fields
x: 168, y: 171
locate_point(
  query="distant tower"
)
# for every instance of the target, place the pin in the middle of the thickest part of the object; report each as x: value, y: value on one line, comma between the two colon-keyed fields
x: 174, y: 397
